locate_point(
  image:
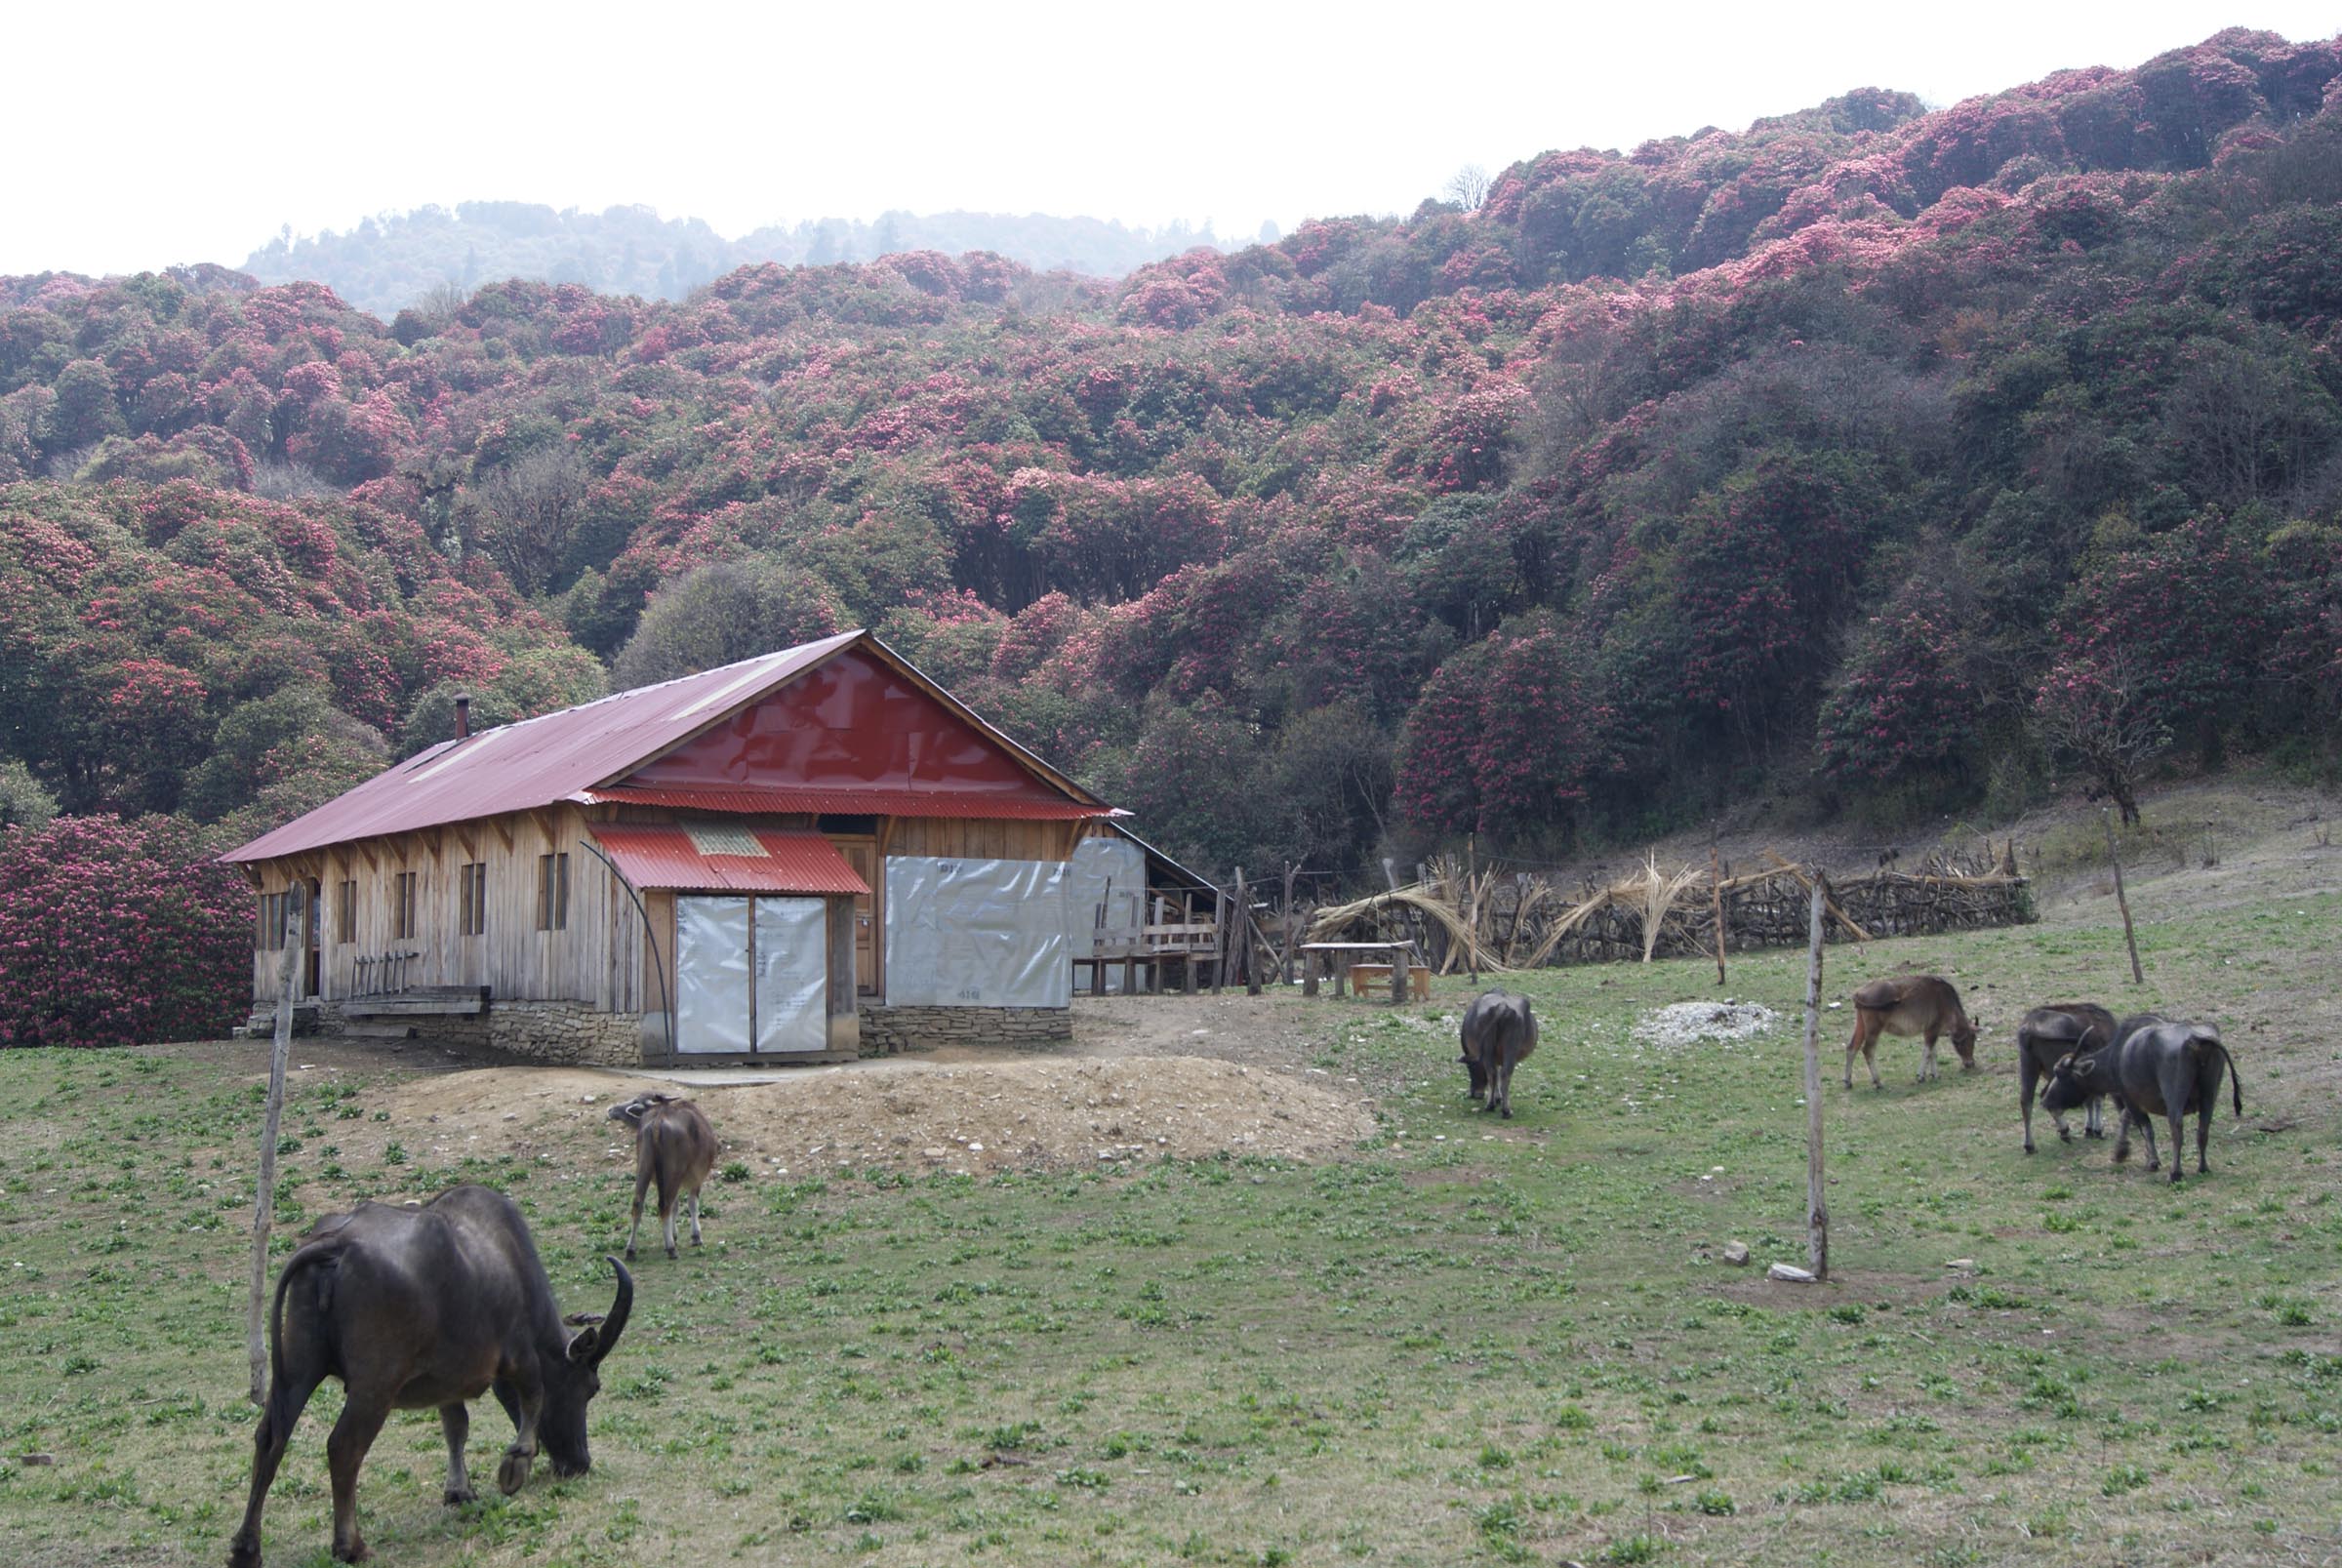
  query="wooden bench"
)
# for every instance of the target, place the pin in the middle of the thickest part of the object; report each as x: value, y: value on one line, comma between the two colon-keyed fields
x: 1365, y: 977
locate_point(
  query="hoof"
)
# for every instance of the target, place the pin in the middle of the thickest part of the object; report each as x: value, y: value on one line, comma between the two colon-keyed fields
x: 456, y: 1498
x: 513, y: 1473
x: 244, y: 1552
x: 355, y: 1552
x: 630, y: 1255
x: 1508, y: 1114
x: 2063, y: 1137
x: 671, y: 1254
x: 2028, y: 1145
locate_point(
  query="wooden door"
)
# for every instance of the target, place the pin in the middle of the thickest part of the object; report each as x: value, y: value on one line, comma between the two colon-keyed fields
x: 862, y: 853
x: 313, y: 943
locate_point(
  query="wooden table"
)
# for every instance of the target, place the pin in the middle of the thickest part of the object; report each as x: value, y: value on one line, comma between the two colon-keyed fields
x: 1314, y: 953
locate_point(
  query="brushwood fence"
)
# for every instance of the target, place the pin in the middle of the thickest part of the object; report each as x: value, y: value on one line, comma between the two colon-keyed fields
x: 1526, y: 921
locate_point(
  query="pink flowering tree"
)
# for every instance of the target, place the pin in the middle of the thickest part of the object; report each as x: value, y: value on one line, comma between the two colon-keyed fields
x: 114, y: 932
x: 1903, y: 704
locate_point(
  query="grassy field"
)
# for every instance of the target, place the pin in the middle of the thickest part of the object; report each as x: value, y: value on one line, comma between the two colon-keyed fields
x: 1467, y: 1343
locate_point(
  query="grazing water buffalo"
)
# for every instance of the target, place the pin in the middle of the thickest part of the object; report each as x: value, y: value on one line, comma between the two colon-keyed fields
x: 2048, y: 1036
x: 1499, y: 1034
x: 2157, y: 1067
x: 675, y: 1145
x: 422, y: 1309
x: 1909, y: 1005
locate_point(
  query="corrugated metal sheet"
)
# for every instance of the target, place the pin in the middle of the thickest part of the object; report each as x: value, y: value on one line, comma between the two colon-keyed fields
x: 664, y: 855
x: 556, y: 756
x: 846, y: 803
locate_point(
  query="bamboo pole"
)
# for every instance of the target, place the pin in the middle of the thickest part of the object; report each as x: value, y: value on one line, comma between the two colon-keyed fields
x: 1817, y: 1212
x: 1219, y: 939
x: 1472, y: 905
x: 1287, y: 927
x: 263, y: 1206
x: 2130, y: 938
x: 1251, y: 963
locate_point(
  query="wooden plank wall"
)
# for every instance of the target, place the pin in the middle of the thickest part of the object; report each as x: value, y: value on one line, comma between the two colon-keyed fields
x: 596, y: 959
x: 602, y: 958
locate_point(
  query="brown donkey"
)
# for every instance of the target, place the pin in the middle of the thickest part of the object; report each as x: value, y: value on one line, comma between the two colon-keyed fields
x: 1909, y: 1005
x: 675, y: 1145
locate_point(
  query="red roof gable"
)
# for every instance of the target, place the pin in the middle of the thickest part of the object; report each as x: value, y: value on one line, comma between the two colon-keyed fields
x: 562, y: 757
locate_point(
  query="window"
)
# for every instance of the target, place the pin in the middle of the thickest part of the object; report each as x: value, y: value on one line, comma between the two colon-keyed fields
x: 402, y: 907
x: 553, y: 893
x: 471, y: 914
x: 271, y: 933
x: 345, y: 912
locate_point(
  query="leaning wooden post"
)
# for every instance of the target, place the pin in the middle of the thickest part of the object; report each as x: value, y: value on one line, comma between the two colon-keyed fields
x: 1472, y: 913
x: 2130, y: 938
x: 1817, y: 1212
x: 1252, y: 962
x: 1219, y: 939
x: 264, y: 1207
x: 1716, y: 895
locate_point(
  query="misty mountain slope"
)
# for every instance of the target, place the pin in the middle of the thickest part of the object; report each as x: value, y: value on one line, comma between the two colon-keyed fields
x: 386, y: 265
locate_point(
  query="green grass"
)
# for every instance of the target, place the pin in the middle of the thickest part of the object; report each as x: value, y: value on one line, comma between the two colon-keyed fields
x: 1474, y: 1342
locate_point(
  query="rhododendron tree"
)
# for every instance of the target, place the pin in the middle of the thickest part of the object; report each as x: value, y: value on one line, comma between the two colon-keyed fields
x: 1903, y: 703
x: 116, y: 932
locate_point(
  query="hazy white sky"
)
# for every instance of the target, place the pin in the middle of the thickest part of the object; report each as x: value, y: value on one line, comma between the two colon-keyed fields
x: 154, y: 135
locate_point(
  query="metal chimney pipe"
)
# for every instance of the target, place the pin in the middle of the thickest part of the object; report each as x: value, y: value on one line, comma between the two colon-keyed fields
x: 462, y: 715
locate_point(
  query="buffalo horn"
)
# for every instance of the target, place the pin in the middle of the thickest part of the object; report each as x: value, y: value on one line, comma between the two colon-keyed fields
x: 616, y: 1323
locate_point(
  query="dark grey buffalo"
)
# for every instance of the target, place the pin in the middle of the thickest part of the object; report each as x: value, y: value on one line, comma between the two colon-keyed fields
x: 1499, y: 1034
x: 2157, y: 1067
x: 427, y: 1308
x: 2048, y: 1036
x: 674, y: 1146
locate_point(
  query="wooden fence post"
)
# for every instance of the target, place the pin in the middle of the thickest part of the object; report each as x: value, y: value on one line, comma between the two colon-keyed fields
x: 264, y: 1207
x: 1286, y: 927
x: 1251, y: 961
x: 1716, y: 893
x: 1817, y: 1211
x: 2130, y: 938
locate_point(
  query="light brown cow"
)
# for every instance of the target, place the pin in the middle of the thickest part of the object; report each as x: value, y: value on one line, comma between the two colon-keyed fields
x: 1909, y: 1005
x: 675, y: 1145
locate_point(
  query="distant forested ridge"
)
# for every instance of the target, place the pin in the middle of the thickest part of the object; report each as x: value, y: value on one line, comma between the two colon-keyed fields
x: 388, y: 263
x: 1870, y: 461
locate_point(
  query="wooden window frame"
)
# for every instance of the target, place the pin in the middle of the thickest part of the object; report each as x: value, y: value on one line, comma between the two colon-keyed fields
x: 553, y: 890
x: 345, y: 911
x: 471, y: 914
x: 402, y: 907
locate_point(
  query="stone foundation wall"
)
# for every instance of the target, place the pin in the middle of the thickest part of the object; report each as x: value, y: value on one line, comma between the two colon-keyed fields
x: 887, y: 1029
x: 558, y: 1033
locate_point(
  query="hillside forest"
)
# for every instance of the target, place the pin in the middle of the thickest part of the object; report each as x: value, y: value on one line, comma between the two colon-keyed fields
x: 1870, y: 461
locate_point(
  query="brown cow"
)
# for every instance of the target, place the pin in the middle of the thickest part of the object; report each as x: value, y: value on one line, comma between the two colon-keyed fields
x: 675, y: 1145
x: 1909, y: 1005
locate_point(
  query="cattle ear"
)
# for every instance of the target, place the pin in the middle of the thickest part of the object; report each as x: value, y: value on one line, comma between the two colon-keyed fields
x: 583, y: 1344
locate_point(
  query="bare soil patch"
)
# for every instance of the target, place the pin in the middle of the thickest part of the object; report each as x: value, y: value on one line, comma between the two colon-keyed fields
x: 964, y: 1115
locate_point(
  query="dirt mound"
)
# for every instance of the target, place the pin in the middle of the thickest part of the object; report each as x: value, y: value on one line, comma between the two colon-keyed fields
x: 973, y: 1116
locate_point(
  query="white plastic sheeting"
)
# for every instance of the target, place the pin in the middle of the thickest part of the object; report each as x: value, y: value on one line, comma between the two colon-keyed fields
x: 713, y: 991
x: 792, y: 975
x: 968, y: 933
x: 1108, y: 872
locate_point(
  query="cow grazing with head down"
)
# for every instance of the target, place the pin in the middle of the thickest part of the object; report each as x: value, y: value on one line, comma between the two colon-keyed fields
x: 2048, y: 1036
x: 675, y: 1145
x: 427, y: 1308
x: 2158, y: 1066
x: 1499, y: 1034
x: 1909, y: 1005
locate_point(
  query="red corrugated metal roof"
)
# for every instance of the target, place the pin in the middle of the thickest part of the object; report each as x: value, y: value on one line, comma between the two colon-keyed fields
x: 664, y: 856
x: 556, y: 756
x: 846, y: 803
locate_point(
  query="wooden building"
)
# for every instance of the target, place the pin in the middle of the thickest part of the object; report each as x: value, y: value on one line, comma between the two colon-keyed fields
x: 804, y: 855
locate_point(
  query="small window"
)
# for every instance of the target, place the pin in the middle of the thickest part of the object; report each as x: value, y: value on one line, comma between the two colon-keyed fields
x: 345, y: 912
x: 471, y: 915
x: 271, y: 936
x: 402, y: 907
x: 553, y: 891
